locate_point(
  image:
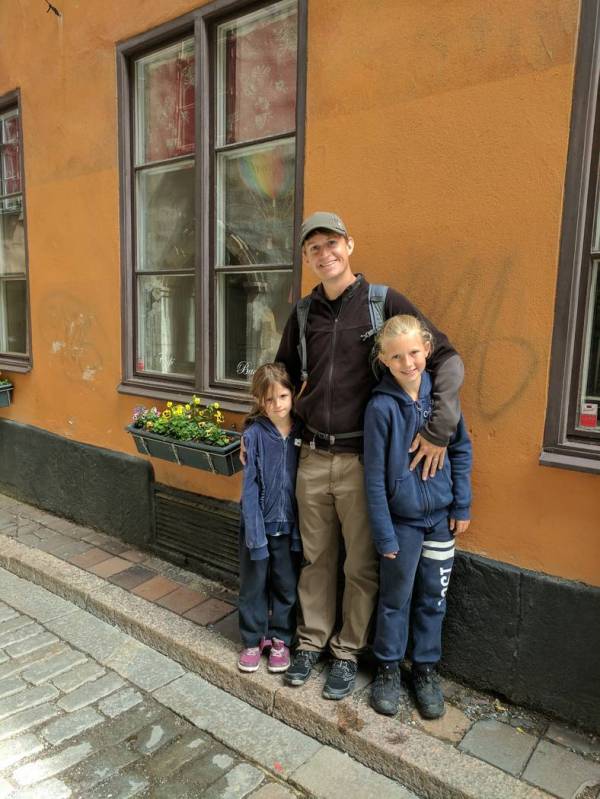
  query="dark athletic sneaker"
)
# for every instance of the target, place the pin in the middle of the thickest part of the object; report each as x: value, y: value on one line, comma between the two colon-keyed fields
x: 387, y: 690
x: 428, y: 691
x: 302, y: 665
x: 341, y: 678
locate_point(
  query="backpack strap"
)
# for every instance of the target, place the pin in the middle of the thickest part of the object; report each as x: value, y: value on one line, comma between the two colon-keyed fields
x: 377, y: 295
x: 302, y: 309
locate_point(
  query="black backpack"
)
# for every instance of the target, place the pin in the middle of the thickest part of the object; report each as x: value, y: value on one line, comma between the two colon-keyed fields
x: 377, y: 295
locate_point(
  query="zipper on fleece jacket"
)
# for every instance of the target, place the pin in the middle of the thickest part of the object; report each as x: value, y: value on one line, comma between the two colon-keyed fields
x: 420, y: 418
x: 331, y: 361
x: 428, y: 504
x: 283, y: 480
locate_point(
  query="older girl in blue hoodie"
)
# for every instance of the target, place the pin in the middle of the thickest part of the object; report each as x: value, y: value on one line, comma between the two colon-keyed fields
x: 413, y: 520
x: 269, y: 536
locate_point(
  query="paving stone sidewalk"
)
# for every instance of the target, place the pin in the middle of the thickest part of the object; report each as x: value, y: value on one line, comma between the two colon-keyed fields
x: 533, y: 750
x: 88, y: 712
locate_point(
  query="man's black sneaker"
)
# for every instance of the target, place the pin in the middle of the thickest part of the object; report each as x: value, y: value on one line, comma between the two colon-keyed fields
x: 302, y: 665
x: 387, y: 689
x: 340, y: 680
x: 428, y: 691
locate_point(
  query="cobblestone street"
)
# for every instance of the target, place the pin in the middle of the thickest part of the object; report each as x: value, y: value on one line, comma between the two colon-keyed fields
x: 87, y: 711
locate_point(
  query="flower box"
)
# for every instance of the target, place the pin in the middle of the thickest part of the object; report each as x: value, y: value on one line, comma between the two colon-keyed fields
x: 5, y: 394
x: 218, y: 460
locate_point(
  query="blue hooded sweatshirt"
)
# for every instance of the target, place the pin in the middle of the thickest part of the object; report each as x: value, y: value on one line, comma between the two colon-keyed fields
x: 394, y: 493
x: 269, y: 489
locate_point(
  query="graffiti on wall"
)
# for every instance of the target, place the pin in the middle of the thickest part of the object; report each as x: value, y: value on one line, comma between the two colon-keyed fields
x: 488, y: 326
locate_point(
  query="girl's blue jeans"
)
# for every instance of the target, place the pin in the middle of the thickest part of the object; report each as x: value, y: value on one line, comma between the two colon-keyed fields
x: 267, y: 601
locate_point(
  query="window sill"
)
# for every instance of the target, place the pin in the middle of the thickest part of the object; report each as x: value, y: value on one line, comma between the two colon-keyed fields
x: 228, y: 401
x: 12, y: 366
x: 572, y: 459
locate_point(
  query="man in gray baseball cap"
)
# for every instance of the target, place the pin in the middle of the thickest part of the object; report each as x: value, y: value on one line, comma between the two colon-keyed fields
x: 326, y: 347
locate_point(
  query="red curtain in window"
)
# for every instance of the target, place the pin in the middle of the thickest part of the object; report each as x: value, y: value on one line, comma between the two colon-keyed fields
x: 170, y: 103
x: 11, y: 162
x: 261, y: 80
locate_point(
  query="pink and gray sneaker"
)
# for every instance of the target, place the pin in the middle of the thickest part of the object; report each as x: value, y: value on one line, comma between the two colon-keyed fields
x: 249, y: 659
x: 279, y: 656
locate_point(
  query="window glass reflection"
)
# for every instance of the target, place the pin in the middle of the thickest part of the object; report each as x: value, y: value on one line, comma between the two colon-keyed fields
x: 255, y: 221
x: 590, y: 384
x: 165, y: 341
x: 165, y: 217
x: 254, y: 308
x: 13, y: 317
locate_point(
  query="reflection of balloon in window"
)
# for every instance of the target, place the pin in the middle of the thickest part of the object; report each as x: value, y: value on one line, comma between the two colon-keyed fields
x: 266, y: 173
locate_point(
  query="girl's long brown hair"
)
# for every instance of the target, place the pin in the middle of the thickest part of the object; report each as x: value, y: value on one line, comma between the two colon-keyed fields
x: 265, y: 376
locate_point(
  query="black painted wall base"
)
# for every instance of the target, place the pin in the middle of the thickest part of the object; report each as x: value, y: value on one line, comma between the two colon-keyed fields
x: 529, y: 636
x: 534, y: 639
x: 97, y: 487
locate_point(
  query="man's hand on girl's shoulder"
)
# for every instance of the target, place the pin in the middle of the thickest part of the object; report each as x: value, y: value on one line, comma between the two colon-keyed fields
x: 458, y: 526
x: 242, y: 452
x: 390, y: 555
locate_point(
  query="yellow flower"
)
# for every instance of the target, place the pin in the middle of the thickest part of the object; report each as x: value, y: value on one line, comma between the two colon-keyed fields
x: 188, y: 407
x: 216, y: 405
x: 166, y: 414
x: 169, y: 404
x: 196, y: 401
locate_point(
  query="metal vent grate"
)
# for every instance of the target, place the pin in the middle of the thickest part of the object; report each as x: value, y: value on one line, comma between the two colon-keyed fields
x: 197, y: 531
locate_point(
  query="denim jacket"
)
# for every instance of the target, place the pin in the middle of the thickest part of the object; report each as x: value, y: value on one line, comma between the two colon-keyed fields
x: 394, y: 493
x: 268, y: 493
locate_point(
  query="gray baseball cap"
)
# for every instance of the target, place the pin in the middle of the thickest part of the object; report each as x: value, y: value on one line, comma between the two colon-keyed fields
x: 325, y: 220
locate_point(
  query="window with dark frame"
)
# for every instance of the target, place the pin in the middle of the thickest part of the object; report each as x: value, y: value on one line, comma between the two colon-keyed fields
x: 14, y: 325
x: 211, y: 143
x: 572, y: 433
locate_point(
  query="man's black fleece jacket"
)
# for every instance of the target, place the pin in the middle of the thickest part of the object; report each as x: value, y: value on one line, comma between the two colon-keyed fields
x: 340, y: 377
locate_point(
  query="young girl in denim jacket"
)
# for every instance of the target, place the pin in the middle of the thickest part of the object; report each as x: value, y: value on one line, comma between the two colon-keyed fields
x: 413, y: 521
x: 269, y: 536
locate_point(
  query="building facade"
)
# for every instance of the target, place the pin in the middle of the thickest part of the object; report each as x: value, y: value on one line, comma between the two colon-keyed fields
x: 156, y: 161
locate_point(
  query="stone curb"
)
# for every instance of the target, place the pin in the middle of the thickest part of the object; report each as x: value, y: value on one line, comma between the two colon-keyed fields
x: 424, y: 764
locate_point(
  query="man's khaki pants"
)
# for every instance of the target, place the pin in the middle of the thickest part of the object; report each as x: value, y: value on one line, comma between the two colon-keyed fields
x: 331, y: 497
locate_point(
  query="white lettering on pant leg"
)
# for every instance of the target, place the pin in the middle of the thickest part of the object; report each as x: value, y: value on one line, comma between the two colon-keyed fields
x: 445, y: 581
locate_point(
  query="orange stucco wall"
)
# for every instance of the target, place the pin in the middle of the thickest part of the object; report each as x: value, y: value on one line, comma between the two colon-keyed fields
x: 438, y: 130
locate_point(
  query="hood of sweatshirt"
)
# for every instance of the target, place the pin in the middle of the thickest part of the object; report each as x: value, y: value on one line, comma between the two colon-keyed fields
x: 272, y: 431
x: 388, y: 385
